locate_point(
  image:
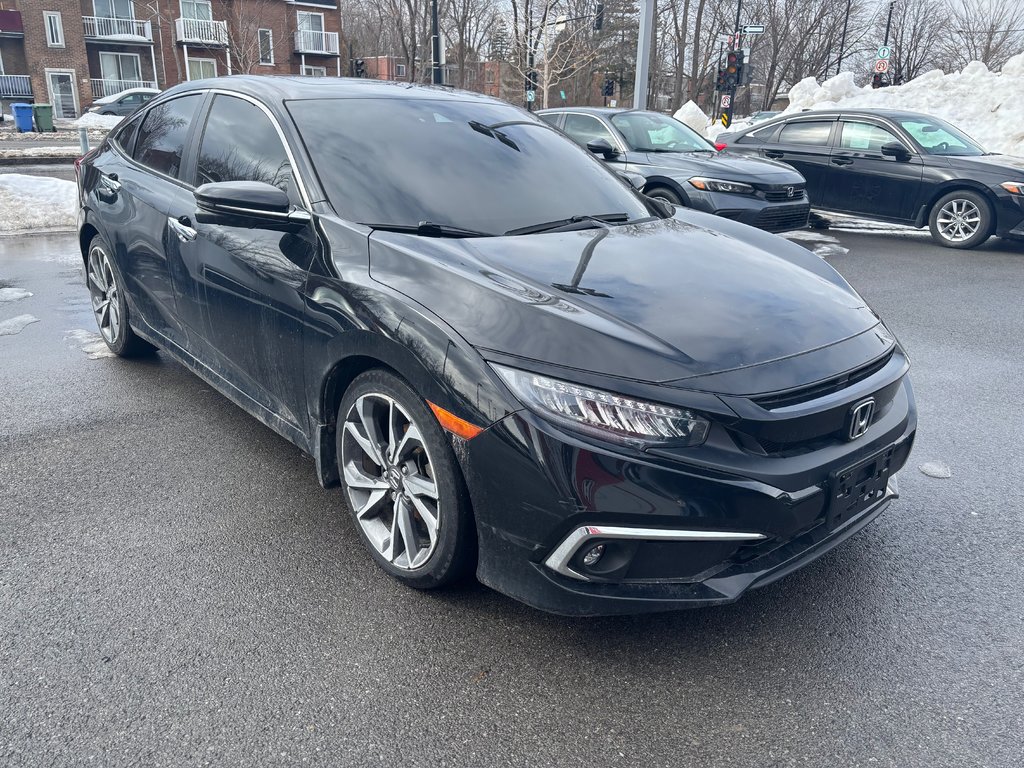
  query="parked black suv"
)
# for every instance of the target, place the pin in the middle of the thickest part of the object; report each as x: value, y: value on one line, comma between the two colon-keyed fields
x: 903, y: 167
x: 683, y: 167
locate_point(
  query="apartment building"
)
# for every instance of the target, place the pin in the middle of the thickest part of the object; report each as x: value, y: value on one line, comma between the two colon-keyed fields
x: 71, y: 52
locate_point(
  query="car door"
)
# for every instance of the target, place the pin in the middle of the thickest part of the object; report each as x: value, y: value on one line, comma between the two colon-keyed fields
x: 805, y: 144
x: 866, y: 182
x: 583, y: 128
x: 135, y: 196
x: 241, y: 285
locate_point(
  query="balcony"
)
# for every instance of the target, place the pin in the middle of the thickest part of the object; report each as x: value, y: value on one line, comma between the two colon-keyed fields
x: 122, y: 30
x: 10, y: 24
x: 324, y: 43
x: 15, y: 87
x: 199, y: 31
x: 102, y: 87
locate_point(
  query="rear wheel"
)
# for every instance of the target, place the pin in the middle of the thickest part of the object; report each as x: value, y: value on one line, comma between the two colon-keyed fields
x: 666, y: 194
x: 402, y: 483
x: 109, y: 303
x: 961, y: 219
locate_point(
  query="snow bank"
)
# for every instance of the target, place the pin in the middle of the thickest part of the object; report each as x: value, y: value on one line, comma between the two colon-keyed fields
x: 40, y: 152
x: 29, y: 203
x: 692, y: 115
x: 95, y: 121
x: 988, y: 106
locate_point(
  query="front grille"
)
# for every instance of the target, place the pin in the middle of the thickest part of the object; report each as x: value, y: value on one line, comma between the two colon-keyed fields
x: 779, y: 218
x: 782, y: 195
x: 822, y: 388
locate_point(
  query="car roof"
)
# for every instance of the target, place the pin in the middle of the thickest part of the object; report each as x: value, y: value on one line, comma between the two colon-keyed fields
x: 890, y: 114
x: 591, y: 110
x: 281, y: 87
x: 126, y: 92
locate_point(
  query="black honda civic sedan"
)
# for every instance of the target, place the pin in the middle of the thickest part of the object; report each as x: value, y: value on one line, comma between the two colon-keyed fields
x: 509, y: 359
x: 904, y: 167
x: 682, y: 167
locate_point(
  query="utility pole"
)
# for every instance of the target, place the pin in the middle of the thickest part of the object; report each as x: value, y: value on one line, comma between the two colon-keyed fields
x: 727, y: 111
x: 643, y: 54
x: 888, y: 23
x: 842, y: 42
x: 437, y: 77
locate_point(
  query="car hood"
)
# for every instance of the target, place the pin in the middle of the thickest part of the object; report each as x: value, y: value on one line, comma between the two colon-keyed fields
x: 1007, y: 164
x: 721, y: 165
x: 658, y: 301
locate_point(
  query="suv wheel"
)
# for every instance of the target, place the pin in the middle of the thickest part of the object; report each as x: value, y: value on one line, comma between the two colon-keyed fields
x: 403, y: 486
x: 961, y: 219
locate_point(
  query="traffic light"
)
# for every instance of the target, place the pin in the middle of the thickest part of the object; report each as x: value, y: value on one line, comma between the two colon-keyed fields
x: 531, y: 80
x: 599, y: 17
x: 360, y: 68
x: 878, y: 80
x: 608, y: 89
x: 733, y: 68
x: 746, y: 73
x: 720, y: 84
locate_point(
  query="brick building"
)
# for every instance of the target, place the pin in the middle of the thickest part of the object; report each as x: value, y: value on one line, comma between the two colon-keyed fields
x: 71, y: 52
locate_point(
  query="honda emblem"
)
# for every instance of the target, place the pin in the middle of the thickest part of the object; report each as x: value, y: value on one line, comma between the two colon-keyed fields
x: 860, y: 418
x: 790, y: 191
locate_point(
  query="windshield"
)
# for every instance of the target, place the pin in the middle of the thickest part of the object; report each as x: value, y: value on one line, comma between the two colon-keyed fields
x: 453, y: 163
x: 651, y: 132
x: 938, y: 137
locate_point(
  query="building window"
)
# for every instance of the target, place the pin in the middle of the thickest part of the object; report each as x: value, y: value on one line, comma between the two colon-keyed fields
x: 399, y: 70
x: 200, y: 69
x: 199, y: 10
x: 114, y: 9
x: 309, y: 71
x: 54, y: 29
x: 123, y: 67
x: 266, y: 46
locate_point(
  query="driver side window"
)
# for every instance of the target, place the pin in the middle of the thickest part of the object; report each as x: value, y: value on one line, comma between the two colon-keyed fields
x: 584, y: 128
x: 865, y: 137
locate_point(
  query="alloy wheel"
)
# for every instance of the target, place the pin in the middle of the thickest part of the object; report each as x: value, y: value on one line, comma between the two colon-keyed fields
x: 389, y: 479
x: 958, y: 220
x: 105, y: 297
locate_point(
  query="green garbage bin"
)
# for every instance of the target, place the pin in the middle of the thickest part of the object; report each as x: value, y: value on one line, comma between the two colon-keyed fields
x: 43, y: 114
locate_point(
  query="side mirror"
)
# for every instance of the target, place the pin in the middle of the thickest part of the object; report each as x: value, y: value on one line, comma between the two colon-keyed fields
x: 602, y: 147
x: 895, y: 149
x: 248, y: 204
x: 636, y: 181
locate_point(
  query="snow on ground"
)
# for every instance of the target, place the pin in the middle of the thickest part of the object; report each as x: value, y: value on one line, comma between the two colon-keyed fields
x: 16, y: 324
x: 988, y: 106
x: 40, y: 152
x: 817, y: 242
x: 13, y: 294
x: 31, y: 203
x: 693, y: 116
x: 89, y: 342
x: 93, y: 120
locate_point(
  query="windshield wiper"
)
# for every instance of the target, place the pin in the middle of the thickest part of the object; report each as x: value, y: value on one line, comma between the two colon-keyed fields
x: 572, y: 222
x: 430, y: 229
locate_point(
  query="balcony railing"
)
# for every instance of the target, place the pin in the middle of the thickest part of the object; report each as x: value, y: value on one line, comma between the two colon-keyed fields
x: 307, y: 41
x: 201, y: 31
x: 101, y: 87
x: 15, y: 86
x: 126, y: 29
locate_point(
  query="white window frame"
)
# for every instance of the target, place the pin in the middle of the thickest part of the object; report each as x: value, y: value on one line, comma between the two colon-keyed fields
x: 131, y: 8
x: 259, y: 41
x: 188, y: 68
x: 118, y: 54
x: 298, y: 21
x: 74, y: 87
x: 400, y: 70
x: 1, y: 62
x: 208, y: 3
x: 48, y: 16
x: 308, y: 70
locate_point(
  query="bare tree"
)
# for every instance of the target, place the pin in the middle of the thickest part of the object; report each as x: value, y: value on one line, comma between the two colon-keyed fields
x: 989, y: 31
x: 244, y: 21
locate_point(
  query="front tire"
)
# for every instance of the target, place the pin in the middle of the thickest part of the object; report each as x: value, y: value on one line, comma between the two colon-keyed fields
x: 402, y: 483
x: 961, y: 219
x: 666, y: 194
x: 109, y: 303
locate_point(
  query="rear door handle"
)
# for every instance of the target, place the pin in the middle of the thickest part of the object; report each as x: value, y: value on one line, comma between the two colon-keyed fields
x: 181, y: 228
x: 773, y: 154
x: 841, y: 161
x: 110, y: 183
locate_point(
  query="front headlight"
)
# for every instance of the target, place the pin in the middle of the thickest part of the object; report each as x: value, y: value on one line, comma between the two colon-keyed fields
x: 93, y: 109
x: 720, y: 185
x: 603, y: 414
x: 1013, y: 187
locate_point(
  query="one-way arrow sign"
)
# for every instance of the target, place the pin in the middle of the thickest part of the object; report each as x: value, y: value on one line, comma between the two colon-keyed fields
x: 752, y: 29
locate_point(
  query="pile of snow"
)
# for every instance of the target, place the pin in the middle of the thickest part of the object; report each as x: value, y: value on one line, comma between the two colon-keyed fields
x: 692, y: 115
x: 987, y: 106
x: 39, y: 152
x: 29, y: 203
x: 96, y: 121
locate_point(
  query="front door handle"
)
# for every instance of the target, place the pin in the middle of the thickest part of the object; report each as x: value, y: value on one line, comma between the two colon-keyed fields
x: 842, y: 161
x: 773, y: 154
x: 110, y: 183
x: 181, y: 227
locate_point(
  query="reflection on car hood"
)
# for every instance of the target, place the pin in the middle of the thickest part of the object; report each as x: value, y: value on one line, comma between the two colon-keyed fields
x: 1008, y: 164
x: 722, y: 165
x: 658, y: 301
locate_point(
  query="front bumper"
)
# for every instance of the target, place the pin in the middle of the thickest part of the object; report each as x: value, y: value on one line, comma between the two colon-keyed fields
x: 543, y: 498
x: 754, y: 210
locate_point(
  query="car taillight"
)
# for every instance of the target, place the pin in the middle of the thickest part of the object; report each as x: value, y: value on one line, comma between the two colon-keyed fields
x: 720, y: 146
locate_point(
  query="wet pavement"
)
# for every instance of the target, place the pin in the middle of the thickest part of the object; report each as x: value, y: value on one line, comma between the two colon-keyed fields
x: 176, y: 589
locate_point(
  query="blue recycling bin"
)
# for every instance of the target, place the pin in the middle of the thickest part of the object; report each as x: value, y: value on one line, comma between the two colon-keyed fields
x: 22, y: 117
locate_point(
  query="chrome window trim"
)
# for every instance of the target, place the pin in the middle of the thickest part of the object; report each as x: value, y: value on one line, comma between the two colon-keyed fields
x: 560, y: 558
x: 610, y: 128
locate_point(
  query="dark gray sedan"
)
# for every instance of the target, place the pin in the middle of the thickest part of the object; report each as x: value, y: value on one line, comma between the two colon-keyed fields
x: 682, y: 167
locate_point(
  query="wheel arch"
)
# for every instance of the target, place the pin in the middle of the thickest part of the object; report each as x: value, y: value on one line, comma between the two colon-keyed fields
x: 653, y: 182
x: 85, y: 237
x: 957, y: 185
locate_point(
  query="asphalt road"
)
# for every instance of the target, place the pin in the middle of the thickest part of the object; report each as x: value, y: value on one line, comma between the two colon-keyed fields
x: 176, y: 589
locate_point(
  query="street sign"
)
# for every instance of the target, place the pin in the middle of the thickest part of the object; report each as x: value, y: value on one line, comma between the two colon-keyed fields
x: 562, y: 94
x: 612, y: 103
x: 726, y: 100
x: 752, y: 29
x: 882, y: 65
x: 884, y: 52
x: 725, y: 119
x: 531, y: 95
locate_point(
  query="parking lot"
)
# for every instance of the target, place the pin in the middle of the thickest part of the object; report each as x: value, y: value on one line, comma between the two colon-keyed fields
x: 176, y: 589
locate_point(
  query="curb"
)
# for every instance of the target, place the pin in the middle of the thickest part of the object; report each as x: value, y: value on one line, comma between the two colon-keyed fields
x: 37, y: 160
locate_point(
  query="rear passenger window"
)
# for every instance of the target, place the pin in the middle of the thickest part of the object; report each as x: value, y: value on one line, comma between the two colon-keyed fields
x: 814, y: 133
x: 124, y: 136
x: 551, y: 119
x: 760, y: 136
x: 240, y: 143
x: 161, y: 141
